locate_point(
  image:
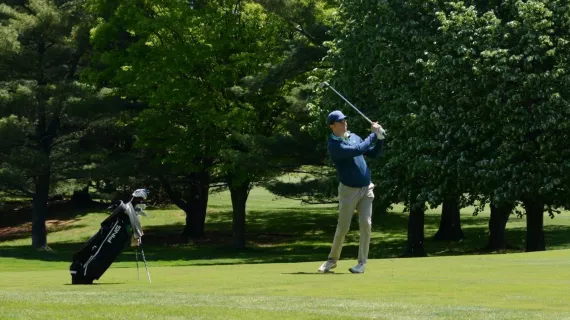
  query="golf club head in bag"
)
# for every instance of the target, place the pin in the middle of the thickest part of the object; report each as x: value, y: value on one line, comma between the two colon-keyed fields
x: 140, y: 195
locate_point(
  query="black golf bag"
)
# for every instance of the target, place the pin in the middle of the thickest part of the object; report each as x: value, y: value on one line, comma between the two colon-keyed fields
x: 102, y: 249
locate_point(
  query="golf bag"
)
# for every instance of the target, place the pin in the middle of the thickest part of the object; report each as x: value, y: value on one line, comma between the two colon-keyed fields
x: 101, y: 250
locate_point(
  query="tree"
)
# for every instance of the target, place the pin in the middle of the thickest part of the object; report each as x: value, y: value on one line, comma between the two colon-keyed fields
x: 520, y: 70
x: 450, y: 224
x: 376, y: 60
x: 211, y: 119
x: 42, y: 104
x: 473, y: 99
x: 281, y: 131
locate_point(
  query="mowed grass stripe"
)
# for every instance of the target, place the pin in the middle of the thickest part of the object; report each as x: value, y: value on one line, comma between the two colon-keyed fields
x: 518, y: 286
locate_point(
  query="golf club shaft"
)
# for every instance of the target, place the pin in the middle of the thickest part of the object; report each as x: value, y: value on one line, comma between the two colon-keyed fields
x: 355, y: 108
x: 137, y: 257
x: 146, y: 267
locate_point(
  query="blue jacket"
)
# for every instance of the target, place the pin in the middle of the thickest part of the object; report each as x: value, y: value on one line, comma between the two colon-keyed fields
x: 348, y: 158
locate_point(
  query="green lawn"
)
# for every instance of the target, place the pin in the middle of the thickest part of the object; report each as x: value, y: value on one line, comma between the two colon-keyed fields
x: 275, y: 277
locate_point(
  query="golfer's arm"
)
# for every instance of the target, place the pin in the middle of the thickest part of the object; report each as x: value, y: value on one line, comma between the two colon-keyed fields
x: 341, y: 151
x: 376, y: 150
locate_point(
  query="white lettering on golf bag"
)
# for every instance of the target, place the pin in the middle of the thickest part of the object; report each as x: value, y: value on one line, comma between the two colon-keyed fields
x: 117, y: 228
x: 96, y: 253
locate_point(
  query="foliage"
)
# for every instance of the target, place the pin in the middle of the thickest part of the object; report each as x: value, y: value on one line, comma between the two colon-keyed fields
x: 475, y: 100
x: 53, y: 126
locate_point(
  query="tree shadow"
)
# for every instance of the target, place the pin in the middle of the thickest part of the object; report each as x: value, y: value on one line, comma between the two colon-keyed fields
x: 317, y: 273
x: 95, y: 284
x: 294, y: 235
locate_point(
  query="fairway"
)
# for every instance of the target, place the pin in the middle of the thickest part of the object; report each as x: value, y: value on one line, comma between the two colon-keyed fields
x: 276, y: 276
x: 284, y: 159
x: 517, y: 286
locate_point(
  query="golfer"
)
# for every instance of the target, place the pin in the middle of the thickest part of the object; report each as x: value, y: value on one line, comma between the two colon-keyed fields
x: 355, y: 190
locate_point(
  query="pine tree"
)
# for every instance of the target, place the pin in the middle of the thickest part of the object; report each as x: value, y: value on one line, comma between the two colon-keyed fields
x: 44, y: 109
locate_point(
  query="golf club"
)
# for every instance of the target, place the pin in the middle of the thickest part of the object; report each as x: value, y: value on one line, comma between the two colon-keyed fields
x: 137, y: 257
x: 340, y: 95
x: 144, y: 260
x: 323, y: 84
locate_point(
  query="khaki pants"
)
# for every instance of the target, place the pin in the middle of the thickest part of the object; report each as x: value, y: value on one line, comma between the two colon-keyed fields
x: 351, y: 199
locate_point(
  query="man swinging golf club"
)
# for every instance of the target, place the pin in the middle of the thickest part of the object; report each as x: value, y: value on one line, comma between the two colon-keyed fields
x: 355, y: 190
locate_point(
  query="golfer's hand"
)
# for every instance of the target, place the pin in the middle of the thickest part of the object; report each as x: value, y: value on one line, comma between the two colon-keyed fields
x: 377, y: 128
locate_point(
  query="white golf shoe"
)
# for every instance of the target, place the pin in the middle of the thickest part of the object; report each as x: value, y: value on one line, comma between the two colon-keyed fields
x: 359, y: 268
x: 327, y: 266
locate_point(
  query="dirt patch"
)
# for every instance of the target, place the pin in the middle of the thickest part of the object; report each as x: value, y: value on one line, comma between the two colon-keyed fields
x: 24, y: 229
x: 14, y: 214
x: 18, y: 214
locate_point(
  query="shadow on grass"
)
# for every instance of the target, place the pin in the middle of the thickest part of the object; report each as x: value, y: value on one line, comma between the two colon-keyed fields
x: 294, y: 235
x: 318, y: 273
x: 95, y: 284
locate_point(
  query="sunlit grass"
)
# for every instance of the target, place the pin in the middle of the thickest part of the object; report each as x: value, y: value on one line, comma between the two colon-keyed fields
x: 275, y: 276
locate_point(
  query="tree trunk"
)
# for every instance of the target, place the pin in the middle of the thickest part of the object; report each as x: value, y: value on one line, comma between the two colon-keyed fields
x: 196, y: 212
x: 44, y: 135
x: 194, y: 202
x: 415, y: 246
x: 39, y: 231
x: 81, y: 199
x: 534, y: 225
x: 497, y: 225
x: 239, y: 193
x: 450, y: 223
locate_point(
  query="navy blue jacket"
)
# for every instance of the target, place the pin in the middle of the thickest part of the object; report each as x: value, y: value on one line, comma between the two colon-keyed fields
x: 348, y: 158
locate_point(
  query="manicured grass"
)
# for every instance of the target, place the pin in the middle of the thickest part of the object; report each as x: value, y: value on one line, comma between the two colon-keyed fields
x: 516, y: 286
x: 275, y: 277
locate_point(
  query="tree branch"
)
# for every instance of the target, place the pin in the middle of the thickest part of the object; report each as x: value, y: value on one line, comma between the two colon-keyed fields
x: 174, y: 196
x: 16, y: 186
x: 25, y: 6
